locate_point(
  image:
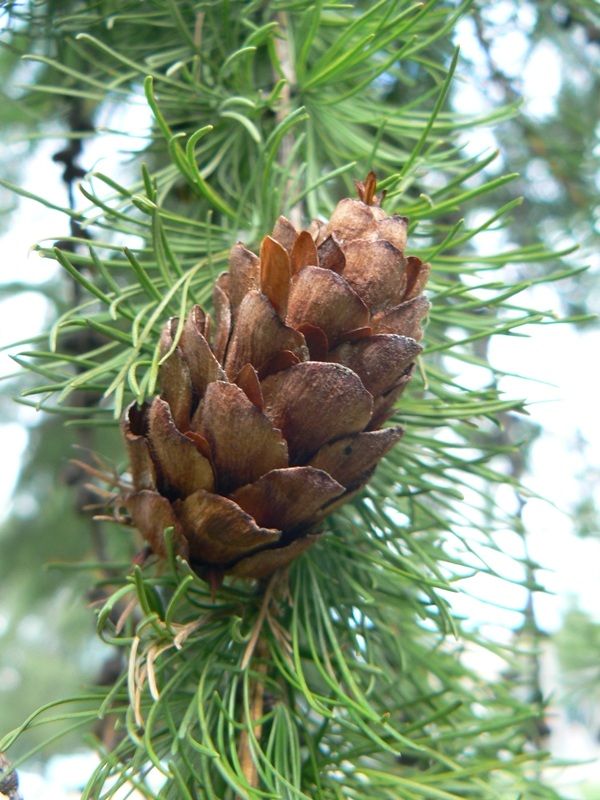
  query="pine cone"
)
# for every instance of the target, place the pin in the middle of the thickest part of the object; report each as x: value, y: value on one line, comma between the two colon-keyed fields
x: 257, y: 436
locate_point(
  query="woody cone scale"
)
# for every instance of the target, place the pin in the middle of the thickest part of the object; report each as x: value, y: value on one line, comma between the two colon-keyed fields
x: 271, y: 415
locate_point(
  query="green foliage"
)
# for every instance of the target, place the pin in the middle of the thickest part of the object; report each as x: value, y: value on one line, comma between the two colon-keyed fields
x: 259, y: 109
x: 364, y: 694
x: 578, y: 645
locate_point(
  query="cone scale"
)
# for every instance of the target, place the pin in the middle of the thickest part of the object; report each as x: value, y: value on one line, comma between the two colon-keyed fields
x: 270, y: 415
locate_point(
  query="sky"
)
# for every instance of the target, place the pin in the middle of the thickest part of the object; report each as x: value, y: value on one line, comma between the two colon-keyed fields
x: 562, y: 395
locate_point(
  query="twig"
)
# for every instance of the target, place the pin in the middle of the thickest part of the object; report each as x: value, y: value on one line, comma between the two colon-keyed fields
x: 257, y: 686
x: 258, y: 625
x: 282, y: 48
x: 257, y: 700
x: 496, y: 74
x: 72, y: 172
x: 197, y: 44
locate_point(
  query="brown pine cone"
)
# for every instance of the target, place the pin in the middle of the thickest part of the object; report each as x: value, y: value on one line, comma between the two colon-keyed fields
x: 267, y: 423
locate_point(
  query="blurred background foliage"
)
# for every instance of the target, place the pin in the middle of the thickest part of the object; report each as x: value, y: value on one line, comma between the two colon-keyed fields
x: 554, y: 149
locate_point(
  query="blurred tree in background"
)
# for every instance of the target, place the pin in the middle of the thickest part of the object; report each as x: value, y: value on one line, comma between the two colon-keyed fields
x: 552, y: 49
x: 355, y: 97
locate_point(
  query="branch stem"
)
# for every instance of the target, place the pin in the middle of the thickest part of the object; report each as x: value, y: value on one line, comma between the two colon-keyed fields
x: 257, y: 646
x: 257, y: 698
x: 286, y: 62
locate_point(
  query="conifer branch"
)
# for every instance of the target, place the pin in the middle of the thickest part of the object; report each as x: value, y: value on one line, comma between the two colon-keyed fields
x: 370, y: 694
